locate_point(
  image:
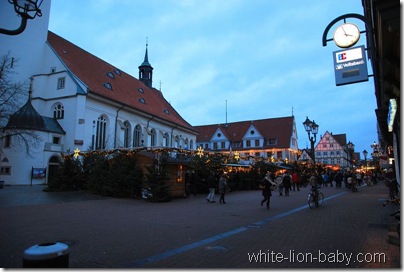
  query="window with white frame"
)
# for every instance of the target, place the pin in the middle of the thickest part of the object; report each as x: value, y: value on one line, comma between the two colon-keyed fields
x: 100, y: 140
x: 56, y: 140
x: 126, y: 136
x: 137, y: 133
x: 58, y: 111
x: 5, y: 168
x: 166, y: 139
x: 61, y: 82
x: 153, y: 137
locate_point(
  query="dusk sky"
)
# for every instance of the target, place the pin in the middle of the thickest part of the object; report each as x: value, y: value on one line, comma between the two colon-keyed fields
x: 265, y: 58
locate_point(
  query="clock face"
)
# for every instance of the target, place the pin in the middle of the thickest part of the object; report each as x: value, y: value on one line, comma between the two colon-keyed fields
x: 346, y: 35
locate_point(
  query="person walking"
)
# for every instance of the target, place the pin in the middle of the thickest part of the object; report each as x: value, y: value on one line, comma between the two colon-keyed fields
x: 338, y: 179
x: 222, y: 188
x: 266, y: 184
x: 295, y: 180
x: 279, y: 181
x: 212, y: 187
x: 325, y: 177
x: 287, y: 183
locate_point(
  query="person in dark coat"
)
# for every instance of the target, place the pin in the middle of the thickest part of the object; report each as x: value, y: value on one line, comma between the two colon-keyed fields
x: 266, y: 185
x: 338, y: 179
x: 222, y: 188
x: 287, y: 180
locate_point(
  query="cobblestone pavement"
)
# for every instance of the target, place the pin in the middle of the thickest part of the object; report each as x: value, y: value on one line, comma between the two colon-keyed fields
x: 350, y: 230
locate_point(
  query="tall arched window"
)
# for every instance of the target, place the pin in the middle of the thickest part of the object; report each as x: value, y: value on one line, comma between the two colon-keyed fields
x: 126, y: 136
x: 166, y: 140
x: 58, y: 111
x: 137, y: 133
x: 191, y: 144
x: 153, y: 137
x: 186, y: 143
x: 100, y: 138
x: 177, y: 141
x: 5, y: 168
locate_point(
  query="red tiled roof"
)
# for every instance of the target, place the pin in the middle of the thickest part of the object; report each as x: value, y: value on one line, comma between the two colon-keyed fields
x: 274, y: 128
x: 341, y: 139
x: 93, y: 72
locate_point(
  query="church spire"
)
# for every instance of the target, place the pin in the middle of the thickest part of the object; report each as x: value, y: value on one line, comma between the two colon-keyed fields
x: 146, y: 70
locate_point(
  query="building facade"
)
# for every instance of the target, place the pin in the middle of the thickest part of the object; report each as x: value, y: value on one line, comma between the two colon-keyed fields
x: 331, y: 150
x: 384, y: 17
x: 80, y: 103
x: 272, y: 139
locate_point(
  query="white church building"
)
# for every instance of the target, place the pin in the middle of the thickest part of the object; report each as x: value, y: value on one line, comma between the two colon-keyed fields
x: 77, y: 101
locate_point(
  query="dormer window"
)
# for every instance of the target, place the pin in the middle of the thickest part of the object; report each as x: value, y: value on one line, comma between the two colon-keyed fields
x: 117, y: 72
x: 166, y: 111
x: 272, y: 141
x: 141, y: 100
x: 108, y: 86
x: 111, y: 75
x: 140, y: 90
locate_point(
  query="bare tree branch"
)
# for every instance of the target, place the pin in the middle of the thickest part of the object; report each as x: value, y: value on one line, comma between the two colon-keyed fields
x: 12, y: 96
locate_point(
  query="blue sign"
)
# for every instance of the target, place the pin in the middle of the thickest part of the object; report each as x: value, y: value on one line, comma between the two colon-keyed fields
x: 350, y: 66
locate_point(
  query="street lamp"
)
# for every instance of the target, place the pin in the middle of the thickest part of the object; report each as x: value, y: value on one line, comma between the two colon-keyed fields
x: 312, y: 129
x: 350, y: 147
x: 27, y: 9
x: 365, y: 153
x: 376, y: 154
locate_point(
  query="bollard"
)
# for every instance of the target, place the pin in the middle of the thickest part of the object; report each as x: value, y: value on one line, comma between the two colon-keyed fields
x: 47, y: 255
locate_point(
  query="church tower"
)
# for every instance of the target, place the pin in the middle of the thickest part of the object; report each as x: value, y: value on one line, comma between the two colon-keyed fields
x: 146, y: 71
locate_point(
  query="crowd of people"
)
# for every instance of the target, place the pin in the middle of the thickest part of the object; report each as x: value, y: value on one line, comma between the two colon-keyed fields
x: 287, y: 181
x: 282, y: 182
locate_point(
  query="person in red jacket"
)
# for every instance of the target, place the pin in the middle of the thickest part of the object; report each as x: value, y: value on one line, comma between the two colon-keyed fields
x: 295, y: 181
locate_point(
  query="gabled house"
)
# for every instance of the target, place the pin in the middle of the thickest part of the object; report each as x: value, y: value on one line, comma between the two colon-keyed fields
x: 274, y: 138
x: 83, y: 102
x: 332, y: 150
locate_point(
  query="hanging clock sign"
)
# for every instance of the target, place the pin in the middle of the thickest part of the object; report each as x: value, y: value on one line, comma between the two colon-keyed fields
x: 346, y: 35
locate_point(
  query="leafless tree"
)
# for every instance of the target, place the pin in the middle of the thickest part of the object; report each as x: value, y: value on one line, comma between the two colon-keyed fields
x: 12, y: 96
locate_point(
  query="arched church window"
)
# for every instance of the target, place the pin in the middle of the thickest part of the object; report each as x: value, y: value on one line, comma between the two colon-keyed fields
x: 137, y: 133
x: 58, y: 111
x: 100, y: 139
x: 126, y: 139
x: 153, y: 137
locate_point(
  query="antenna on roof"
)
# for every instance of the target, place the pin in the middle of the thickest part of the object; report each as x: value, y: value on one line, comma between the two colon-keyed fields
x: 226, y: 111
x: 292, y: 110
x: 160, y: 85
